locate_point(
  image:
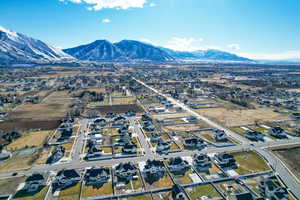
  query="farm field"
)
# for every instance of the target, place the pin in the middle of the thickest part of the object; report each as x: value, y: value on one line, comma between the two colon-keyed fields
x: 54, y: 106
x: 239, y: 117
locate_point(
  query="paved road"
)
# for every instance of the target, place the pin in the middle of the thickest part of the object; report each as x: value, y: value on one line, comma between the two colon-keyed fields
x: 142, y: 139
x: 197, y: 115
x: 80, y: 140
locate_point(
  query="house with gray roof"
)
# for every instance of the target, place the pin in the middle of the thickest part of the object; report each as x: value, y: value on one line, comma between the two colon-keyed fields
x: 202, y: 162
x: 178, y: 166
x: 278, y: 132
x: 97, y: 176
x: 271, y: 190
x: 65, y: 179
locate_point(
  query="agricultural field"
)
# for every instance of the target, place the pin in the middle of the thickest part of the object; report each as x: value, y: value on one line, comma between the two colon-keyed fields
x: 29, y: 124
x: 239, y: 117
x: 123, y: 100
x: 54, y: 106
x: 116, y: 108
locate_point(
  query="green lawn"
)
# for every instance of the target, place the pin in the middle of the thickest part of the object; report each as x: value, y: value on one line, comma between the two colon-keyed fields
x: 203, y: 190
x: 250, y: 162
x: 238, y: 130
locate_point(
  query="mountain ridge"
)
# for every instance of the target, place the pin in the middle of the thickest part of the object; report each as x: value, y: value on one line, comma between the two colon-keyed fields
x: 17, y: 48
x: 140, y: 51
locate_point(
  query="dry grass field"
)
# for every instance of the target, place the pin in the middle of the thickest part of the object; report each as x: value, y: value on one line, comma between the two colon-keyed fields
x: 123, y: 100
x: 71, y: 193
x: 239, y: 117
x: 161, y: 116
x: 32, y: 139
x: 40, y: 195
x: 92, y: 191
x: 9, y: 185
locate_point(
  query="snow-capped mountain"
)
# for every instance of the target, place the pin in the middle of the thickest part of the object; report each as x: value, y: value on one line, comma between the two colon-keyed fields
x: 100, y: 50
x: 17, y: 48
x: 126, y: 50
x: 210, y: 54
x: 131, y: 50
x: 141, y: 51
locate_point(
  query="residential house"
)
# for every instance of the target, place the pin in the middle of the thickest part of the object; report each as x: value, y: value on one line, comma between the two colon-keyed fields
x: 154, y: 170
x: 95, y: 176
x: 271, y: 190
x: 146, y: 118
x: 65, y: 179
x: 192, y: 119
x: 254, y: 136
x: 4, y: 155
x: 65, y: 134
x: 194, y: 143
x: 129, y: 148
x: 34, y: 182
x: 202, y: 162
x: 123, y: 130
x: 277, y: 132
x: 241, y: 196
x: 155, y: 137
x: 110, y: 115
x: 100, y: 121
x: 178, y: 166
x: 220, y: 136
x: 148, y: 126
x: 163, y: 146
x: 178, y: 193
x: 57, y: 154
x: 126, y: 171
x: 94, y: 152
x: 226, y: 160
x: 120, y: 120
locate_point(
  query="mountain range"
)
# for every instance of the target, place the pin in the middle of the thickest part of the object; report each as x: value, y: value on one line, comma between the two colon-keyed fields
x: 17, y: 48
x: 128, y: 50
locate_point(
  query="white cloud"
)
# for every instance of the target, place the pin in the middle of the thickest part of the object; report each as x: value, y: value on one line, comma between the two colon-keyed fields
x: 184, y: 44
x: 234, y: 46
x: 152, y: 4
x: 116, y: 4
x: 287, y: 55
x: 106, y: 20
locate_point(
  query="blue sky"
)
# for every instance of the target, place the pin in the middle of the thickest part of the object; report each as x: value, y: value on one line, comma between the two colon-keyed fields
x: 253, y: 28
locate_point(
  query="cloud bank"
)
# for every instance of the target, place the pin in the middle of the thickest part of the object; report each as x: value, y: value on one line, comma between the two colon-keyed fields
x: 115, y: 4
